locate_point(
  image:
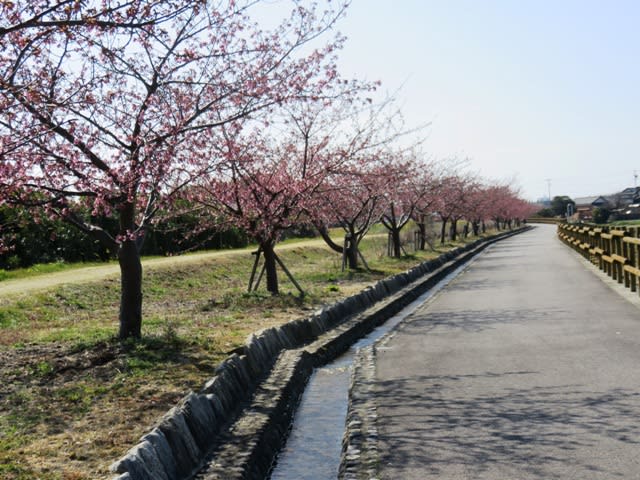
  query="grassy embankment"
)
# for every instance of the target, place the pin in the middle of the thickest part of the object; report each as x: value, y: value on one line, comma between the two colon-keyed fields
x: 628, y: 223
x: 73, y: 399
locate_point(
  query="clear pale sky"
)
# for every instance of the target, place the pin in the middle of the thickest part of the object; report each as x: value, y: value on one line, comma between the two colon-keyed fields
x: 531, y: 89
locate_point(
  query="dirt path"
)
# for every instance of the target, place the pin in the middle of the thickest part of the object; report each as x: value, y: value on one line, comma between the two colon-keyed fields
x: 95, y: 273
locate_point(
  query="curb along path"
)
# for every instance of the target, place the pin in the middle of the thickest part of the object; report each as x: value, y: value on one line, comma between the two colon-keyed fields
x: 525, y: 366
x: 234, y: 427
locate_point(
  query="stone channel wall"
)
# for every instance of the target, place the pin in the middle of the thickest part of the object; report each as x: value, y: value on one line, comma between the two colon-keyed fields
x: 235, y: 426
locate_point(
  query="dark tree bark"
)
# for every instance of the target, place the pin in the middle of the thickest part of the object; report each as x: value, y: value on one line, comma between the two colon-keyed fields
x: 453, y: 231
x: 352, y: 252
x: 324, y: 233
x: 422, y: 232
x: 443, y: 230
x: 270, y: 267
x: 352, y: 244
x: 422, y: 239
x: 130, y: 277
x: 131, y: 290
x: 395, y: 242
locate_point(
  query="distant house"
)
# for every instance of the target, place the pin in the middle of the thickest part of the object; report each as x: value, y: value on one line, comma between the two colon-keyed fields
x: 626, y: 204
x: 628, y: 196
x: 629, y: 212
x: 585, y: 206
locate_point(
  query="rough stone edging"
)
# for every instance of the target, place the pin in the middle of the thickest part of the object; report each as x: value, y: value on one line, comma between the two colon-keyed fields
x: 360, y: 457
x: 360, y: 454
x: 183, y: 440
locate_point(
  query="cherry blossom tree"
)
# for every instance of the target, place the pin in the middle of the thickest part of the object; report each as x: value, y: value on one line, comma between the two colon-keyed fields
x: 275, y: 170
x: 385, y: 189
x: 401, y: 196
x: 266, y: 185
x: 352, y: 199
x: 111, y: 104
x: 445, y: 204
x: 460, y: 188
x: 501, y: 198
x: 426, y: 186
x: 505, y: 205
x: 478, y: 206
x: 372, y: 182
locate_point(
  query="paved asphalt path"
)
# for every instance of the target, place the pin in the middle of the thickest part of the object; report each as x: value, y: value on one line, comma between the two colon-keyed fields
x: 527, y: 366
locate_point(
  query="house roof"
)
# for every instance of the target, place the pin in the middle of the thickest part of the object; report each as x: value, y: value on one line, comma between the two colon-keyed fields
x: 587, y: 201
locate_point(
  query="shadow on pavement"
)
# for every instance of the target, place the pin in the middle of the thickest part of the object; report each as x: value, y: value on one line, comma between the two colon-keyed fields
x: 473, y: 320
x: 531, y: 430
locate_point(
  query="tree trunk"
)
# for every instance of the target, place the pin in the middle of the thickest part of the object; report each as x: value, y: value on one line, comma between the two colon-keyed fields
x: 351, y: 244
x: 324, y: 233
x: 130, y: 290
x: 130, y: 278
x: 395, y: 241
x: 422, y: 229
x: 270, y: 267
x: 443, y: 231
x: 352, y: 252
x: 454, y: 230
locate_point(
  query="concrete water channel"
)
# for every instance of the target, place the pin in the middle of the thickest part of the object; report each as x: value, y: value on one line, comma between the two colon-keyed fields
x: 313, y: 448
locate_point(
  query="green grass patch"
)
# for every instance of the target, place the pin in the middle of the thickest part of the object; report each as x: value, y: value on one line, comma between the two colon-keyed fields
x: 13, y: 316
x: 628, y: 223
x: 11, y: 470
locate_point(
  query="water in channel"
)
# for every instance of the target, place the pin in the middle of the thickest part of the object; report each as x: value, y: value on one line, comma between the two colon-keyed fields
x: 314, y: 445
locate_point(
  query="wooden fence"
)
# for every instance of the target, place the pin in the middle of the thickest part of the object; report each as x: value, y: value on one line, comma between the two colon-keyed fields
x: 544, y: 220
x: 615, y: 250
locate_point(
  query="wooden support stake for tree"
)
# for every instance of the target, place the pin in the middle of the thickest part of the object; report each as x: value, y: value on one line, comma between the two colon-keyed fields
x: 255, y: 267
x: 344, y: 252
x: 264, y: 267
x: 426, y: 239
x: 293, y: 280
x: 366, y: 265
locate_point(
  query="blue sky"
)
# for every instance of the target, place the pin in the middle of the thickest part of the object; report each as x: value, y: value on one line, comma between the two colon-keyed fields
x: 531, y: 90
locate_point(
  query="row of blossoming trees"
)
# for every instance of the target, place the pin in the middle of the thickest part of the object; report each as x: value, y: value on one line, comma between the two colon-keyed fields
x: 125, y: 106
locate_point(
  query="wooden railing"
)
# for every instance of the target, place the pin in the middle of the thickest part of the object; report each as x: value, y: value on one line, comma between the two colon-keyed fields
x: 544, y: 220
x: 615, y: 250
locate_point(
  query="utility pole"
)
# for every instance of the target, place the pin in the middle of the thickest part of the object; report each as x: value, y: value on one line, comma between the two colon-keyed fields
x: 548, y: 180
